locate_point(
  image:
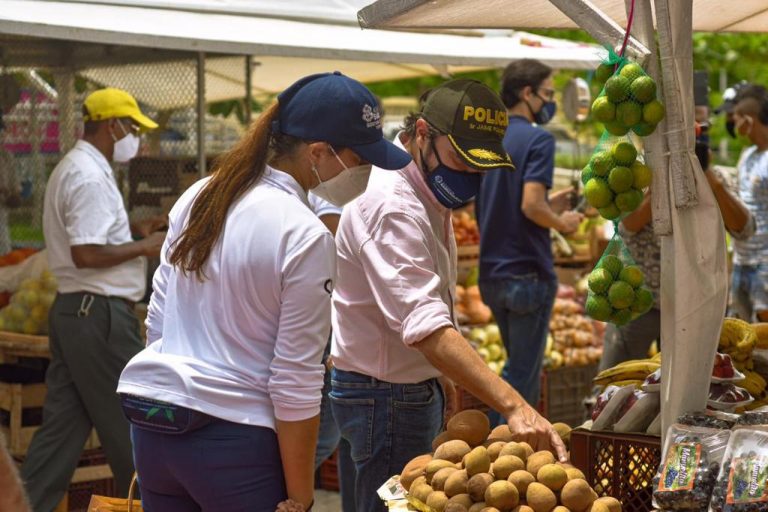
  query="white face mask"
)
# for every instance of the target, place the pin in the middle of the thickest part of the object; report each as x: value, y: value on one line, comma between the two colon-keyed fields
x: 125, y: 148
x: 345, y: 186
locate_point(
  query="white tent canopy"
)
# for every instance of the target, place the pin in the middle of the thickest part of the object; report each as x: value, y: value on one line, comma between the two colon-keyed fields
x: 708, y: 15
x: 282, y: 49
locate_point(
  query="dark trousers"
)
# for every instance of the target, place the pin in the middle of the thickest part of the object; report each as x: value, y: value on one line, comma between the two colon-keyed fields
x: 221, y: 467
x: 88, y: 354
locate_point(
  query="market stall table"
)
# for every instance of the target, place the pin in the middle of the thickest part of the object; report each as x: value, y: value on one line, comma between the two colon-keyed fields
x: 14, y: 345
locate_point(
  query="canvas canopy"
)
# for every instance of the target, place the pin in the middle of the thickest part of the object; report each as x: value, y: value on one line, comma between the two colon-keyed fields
x: 285, y: 42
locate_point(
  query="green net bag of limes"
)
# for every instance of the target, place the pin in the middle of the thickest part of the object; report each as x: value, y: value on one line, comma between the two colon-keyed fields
x: 615, y: 177
x: 628, y: 98
x: 617, y: 291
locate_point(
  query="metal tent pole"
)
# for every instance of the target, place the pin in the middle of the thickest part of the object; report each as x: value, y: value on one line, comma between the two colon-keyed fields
x: 201, y: 114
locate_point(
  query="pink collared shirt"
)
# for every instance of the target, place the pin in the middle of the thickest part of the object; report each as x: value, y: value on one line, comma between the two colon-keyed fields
x: 396, y: 275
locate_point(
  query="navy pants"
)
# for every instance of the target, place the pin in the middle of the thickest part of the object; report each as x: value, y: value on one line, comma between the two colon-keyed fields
x: 221, y: 467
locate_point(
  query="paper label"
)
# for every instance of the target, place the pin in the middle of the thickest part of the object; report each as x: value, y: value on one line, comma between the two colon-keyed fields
x: 748, y: 480
x: 680, y: 467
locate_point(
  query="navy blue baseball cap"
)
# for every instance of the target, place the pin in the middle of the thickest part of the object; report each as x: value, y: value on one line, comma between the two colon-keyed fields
x: 339, y: 110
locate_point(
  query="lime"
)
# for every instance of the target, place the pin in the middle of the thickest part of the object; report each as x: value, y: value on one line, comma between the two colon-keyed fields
x: 599, y: 280
x: 602, y: 163
x: 586, y: 175
x: 621, y: 295
x: 598, y: 308
x: 629, y: 113
x: 629, y: 201
x: 610, y: 212
x: 653, y: 112
x: 644, y: 129
x: 643, y: 89
x: 643, y: 175
x: 631, y: 71
x: 598, y: 193
x: 620, y: 179
x: 632, y: 275
x: 621, y: 317
x: 624, y: 153
x: 612, y: 264
x: 604, y: 72
x: 617, y: 88
x: 643, y: 300
x: 603, y: 110
x: 616, y: 128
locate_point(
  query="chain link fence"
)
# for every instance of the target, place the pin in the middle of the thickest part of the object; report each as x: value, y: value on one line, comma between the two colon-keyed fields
x: 42, y: 120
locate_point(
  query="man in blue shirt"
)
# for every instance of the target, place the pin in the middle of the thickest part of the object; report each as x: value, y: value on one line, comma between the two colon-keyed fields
x: 515, y: 214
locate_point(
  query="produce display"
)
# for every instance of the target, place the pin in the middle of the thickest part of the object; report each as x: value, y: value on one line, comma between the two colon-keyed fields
x: 617, y: 292
x: 690, y: 464
x: 16, y: 256
x: 572, y: 340
x: 465, y: 228
x: 27, y: 312
x: 469, y: 306
x: 488, y: 343
x: 633, y: 372
x: 474, y: 468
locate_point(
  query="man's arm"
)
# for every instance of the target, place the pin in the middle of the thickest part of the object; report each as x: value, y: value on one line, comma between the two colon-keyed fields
x: 12, y: 495
x: 450, y: 353
x: 735, y: 214
x: 537, y: 209
x: 105, y: 256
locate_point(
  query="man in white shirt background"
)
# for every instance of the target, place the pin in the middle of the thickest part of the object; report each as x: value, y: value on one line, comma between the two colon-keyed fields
x: 101, y: 272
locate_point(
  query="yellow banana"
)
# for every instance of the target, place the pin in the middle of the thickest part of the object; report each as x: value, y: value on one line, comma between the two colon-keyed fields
x: 761, y: 332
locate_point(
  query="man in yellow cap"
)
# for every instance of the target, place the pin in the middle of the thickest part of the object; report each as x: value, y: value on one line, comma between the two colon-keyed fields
x: 101, y: 273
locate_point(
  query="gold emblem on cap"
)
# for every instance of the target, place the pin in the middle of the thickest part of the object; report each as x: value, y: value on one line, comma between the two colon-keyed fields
x: 485, y: 154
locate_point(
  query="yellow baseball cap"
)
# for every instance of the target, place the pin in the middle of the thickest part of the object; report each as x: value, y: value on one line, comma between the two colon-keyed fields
x: 110, y: 103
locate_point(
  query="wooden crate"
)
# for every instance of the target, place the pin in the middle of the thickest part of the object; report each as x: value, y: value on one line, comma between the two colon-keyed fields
x: 20, y: 406
x: 14, y: 399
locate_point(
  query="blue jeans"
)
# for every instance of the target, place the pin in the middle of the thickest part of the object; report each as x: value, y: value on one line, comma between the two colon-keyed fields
x: 328, y: 440
x: 386, y: 426
x: 749, y: 291
x: 222, y: 467
x: 522, y: 307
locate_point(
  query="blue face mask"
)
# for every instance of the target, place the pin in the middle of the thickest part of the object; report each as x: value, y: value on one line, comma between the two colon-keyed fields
x: 545, y: 113
x: 452, y: 188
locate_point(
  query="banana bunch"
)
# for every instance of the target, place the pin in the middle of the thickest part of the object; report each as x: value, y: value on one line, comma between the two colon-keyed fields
x: 754, y: 383
x: 761, y: 331
x: 629, y: 372
x: 738, y: 340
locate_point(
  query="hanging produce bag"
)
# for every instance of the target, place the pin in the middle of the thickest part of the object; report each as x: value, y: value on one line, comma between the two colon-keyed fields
x: 627, y: 101
x: 615, y: 178
x: 617, y: 291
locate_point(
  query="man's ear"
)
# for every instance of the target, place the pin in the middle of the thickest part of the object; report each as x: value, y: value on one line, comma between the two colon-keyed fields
x: 526, y: 93
x: 422, y: 130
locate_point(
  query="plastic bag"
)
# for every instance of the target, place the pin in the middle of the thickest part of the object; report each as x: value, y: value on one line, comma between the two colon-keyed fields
x: 689, y: 467
x: 617, y: 291
x: 628, y: 99
x: 615, y: 177
x: 742, y: 483
x: 640, y: 414
x: 709, y: 419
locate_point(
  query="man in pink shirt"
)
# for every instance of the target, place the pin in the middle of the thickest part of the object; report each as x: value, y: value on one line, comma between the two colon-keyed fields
x: 393, y: 316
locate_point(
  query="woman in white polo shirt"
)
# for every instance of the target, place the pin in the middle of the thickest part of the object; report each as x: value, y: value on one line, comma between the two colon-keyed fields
x: 224, y: 401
